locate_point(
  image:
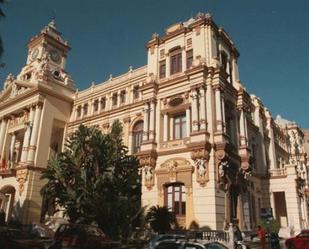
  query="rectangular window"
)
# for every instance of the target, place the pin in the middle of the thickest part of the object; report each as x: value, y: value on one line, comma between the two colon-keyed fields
x: 162, y: 53
x: 85, y: 109
x: 189, y: 42
x: 136, y: 92
x: 189, y: 58
x: 103, y: 103
x: 95, y: 105
x: 176, y: 64
x: 122, y: 97
x: 180, y: 126
x: 79, y: 111
x: 162, y: 70
x: 114, y: 99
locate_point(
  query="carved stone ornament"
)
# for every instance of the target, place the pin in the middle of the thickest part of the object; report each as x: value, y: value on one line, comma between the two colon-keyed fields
x: 201, y: 171
x: 148, y: 176
x: 21, y: 177
x: 9, y: 80
x: 148, y: 163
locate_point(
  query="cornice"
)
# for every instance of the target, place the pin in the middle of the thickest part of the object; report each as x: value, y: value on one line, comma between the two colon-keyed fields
x: 106, y: 113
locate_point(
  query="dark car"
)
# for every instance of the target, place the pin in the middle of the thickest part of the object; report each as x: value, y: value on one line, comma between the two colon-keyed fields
x: 301, y: 241
x: 69, y: 236
x: 17, y: 239
x: 156, y: 239
x: 184, y: 244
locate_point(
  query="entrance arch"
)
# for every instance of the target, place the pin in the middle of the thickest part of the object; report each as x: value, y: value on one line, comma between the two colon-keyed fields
x: 7, y: 197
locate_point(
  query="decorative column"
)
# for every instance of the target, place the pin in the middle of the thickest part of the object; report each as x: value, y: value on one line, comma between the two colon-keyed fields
x: 194, y: 110
x: 242, y: 131
x: 165, y: 127
x: 168, y: 65
x: 99, y: 105
x: 184, y: 59
x: 223, y: 114
x: 218, y: 110
x: 146, y: 122
x: 12, y: 148
x: 34, y: 134
x: 188, y: 121
x: 152, y: 120
x: 2, y: 132
x: 203, y: 122
x: 171, y: 128
x: 26, y: 142
x: 240, y: 212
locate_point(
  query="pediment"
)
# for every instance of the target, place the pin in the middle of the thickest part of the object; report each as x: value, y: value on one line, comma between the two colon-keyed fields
x: 14, y: 89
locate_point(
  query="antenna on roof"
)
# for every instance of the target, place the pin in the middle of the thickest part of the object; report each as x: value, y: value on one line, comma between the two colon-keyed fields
x: 54, y: 15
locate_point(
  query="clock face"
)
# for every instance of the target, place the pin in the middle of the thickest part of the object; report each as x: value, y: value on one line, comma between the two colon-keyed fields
x: 54, y: 55
x: 35, y: 54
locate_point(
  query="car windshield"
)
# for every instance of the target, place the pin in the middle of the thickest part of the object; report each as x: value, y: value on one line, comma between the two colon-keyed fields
x: 304, y: 234
x: 215, y: 246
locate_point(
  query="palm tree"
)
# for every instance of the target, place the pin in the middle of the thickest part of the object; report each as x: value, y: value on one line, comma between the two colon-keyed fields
x: 160, y: 219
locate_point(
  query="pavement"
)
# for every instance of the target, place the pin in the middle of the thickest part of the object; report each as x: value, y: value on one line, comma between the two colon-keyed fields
x: 256, y: 245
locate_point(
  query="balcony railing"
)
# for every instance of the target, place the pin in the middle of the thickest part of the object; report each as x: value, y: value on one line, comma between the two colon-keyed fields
x: 278, y: 172
x: 7, y: 168
x: 174, y: 143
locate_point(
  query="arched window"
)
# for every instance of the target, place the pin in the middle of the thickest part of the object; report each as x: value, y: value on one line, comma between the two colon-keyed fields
x: 137, y: 136
x: 175, y: 198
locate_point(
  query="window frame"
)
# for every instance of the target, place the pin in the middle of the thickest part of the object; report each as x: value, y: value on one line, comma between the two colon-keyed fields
x: 181, y: 196
x: 182, y: 124
x: 137, y: 136
x: 175, y: 61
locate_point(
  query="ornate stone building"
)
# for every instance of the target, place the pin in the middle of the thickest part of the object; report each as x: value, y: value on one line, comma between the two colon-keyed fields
x: 208, y: 149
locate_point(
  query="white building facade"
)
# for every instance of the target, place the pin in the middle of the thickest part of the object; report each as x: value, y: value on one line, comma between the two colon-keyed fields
x: 208, y: 149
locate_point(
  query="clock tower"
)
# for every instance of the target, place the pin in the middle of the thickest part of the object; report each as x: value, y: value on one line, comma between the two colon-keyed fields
x: 46, y: 60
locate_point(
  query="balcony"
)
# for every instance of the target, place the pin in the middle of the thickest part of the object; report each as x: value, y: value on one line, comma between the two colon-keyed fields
x: 278, y: 173
x: 172, y: 144
x: 7, y: 169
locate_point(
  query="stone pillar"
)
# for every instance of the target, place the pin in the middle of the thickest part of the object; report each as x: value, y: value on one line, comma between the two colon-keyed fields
x: 99, y: 105
x: 119, y: 98
x: 272, y: 150
x: 227, y: 207
x: 2, y: 133
x: 242, y: 131
x: 223, y: 114
x: 183, y: 59
x: 168, y: 66
x: 34, y: 134
x: 146, y: 122
x: 12, y: 148
x: 152, y: 121
x: 171, y: 128
x: 194, y: 110
x: 4, y: 140
x: 203, y: 122
x: 26, y: 142
x: 235, y: 73
x: 240, y: 212
x: 188, y: 121
x: 165, y: 127
x: 218, y: 110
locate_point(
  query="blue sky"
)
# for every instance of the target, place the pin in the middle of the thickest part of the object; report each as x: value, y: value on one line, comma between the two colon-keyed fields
x: 107, y: 37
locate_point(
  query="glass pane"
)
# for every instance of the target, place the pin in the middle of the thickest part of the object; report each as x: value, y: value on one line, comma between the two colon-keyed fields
x: 183, y: 208
x: 183, y: 130
x: 170, y: 201
x: 176, y: 207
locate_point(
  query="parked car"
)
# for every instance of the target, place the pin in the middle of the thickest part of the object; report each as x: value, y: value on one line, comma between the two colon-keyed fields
x: 301, y: 241
x: 17, y: 239
x: 69, y: 236
x: 184, y: 244
x: 156, y: 239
